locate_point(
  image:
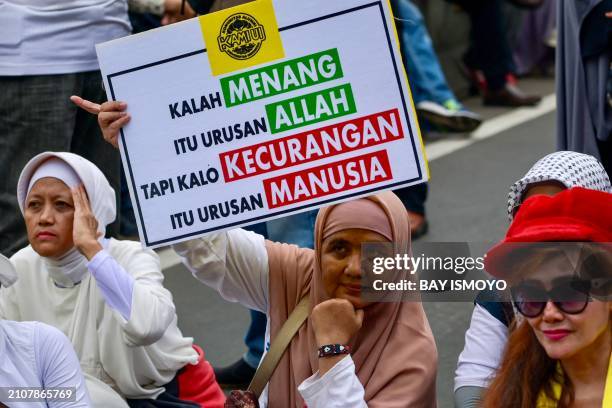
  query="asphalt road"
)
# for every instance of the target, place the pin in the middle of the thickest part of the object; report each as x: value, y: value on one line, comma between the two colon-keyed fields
x: 467, y: 202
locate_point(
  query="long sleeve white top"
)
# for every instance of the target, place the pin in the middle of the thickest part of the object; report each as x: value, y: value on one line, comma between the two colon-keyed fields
x: 485, y: 343
x: 115, y: 284
x: 235, y: 264
x: 38, y: 356
x: 120, y: 319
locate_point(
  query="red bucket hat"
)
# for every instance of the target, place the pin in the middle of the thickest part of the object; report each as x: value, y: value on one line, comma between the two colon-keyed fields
x: 574, y: 215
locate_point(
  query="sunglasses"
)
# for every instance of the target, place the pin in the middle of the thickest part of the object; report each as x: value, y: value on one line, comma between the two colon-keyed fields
x: 571, y: 297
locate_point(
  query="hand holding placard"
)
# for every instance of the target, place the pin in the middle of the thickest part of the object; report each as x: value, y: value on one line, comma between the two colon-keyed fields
x: 284, y: 107
x: 112, y: 116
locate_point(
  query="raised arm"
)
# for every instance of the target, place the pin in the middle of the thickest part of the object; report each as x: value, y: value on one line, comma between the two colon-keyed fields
x: 335, y: 384
x: 133, y: 289
x: 152, y: 308
x: 234, y: 263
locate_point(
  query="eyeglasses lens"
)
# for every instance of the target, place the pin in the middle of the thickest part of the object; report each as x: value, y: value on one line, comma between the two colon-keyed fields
x: 570, y: 297
x: 529, y: 300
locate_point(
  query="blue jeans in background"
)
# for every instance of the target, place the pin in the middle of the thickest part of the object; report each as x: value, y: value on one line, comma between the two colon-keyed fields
x: 296, y: 229
x: 255, y: 338
x: 425, y: 75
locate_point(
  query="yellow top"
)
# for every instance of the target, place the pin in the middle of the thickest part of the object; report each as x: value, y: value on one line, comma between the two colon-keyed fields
x: 545, y: 402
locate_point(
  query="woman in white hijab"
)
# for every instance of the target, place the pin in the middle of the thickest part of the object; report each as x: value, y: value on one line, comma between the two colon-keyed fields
x: 39, y: 357
x: 105, y: 295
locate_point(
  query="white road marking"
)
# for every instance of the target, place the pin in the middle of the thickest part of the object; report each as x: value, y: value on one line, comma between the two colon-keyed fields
x: 491, y: 127
x: 439, y: 149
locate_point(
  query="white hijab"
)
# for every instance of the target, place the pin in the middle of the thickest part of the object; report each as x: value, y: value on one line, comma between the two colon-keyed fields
x: 99, y: 334
x: 69, y: 269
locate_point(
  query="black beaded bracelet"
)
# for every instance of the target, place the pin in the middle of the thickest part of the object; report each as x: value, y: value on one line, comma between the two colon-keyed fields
x: 330, y: 350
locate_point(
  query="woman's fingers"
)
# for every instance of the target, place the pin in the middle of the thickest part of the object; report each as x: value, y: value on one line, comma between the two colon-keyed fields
x: 111, y: 134
x: 83, y: 198
x: 110, y: 123
x: 80, y: 197
x: 113, y: 106
x: 113, y: 140
x: 336, y: 321
x: 119, y: 123
x: 78, y: 200
x: 111, y: 116
x: 89, y: 106
x: 85, y: 232
x: 92, y: 107
x: 83, y: 211
x: 105, y: 118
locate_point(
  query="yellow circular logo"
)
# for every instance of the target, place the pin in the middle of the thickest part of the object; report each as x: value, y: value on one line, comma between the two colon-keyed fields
x: 241, y: 36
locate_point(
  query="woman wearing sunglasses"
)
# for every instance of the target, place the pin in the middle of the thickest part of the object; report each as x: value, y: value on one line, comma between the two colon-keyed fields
x: 558, y: 355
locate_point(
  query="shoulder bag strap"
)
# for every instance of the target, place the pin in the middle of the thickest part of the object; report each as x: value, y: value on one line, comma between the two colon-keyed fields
x: 279, y: 345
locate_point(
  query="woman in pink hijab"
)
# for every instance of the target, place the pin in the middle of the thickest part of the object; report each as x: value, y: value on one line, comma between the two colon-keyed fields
x: 392, y: 359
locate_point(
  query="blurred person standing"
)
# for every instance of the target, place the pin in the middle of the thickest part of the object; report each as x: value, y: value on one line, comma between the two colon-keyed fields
x: 435, y: 102
x: 433, y: 98
x: 47, y: 53
x: 489, y: 58
x: 584, y: 76
x: 533, y: 51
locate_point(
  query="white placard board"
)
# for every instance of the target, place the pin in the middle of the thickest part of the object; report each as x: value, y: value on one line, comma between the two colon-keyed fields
x: 329, y: 121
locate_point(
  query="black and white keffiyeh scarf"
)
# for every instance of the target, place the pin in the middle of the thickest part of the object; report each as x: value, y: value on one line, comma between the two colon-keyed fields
x: 568, y: 168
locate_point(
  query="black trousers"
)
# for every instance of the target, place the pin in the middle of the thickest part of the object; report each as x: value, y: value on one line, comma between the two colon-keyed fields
x: 489, y: 50
x: 413, y: 197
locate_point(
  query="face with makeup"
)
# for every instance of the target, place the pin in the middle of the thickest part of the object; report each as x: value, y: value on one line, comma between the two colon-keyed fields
x: 562, y: 334
x: 49, y: 214
x: 341, y: 264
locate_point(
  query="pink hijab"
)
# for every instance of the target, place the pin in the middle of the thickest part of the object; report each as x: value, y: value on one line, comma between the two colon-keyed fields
x: 394, y: 352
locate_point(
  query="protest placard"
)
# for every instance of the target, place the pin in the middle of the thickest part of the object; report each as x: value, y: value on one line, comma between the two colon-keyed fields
x: 260, y: 111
